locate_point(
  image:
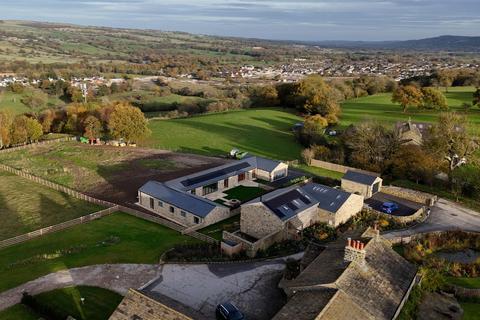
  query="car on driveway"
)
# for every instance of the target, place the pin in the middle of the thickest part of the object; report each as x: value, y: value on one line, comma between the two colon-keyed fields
x: 228, y: 311
x: 389, y: 207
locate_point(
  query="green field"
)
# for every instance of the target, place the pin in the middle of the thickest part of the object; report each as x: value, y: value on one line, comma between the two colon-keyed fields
x: 117, y: 238
x: 13, y: 102
x: 27, y: 206
x: 471, y: 311
x: 471, y: 283
x: 379, y: 107
x: 99, y: 304
x: 263, y: 132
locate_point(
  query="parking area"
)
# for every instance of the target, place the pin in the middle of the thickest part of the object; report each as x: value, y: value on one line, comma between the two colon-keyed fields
x: 406, y: 207
x: 252, y: 287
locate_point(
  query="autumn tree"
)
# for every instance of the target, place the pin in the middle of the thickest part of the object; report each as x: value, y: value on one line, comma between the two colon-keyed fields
x: 433, y: 99
x: 34, y: 129
x: 35, y: 99
x: 407, y: 96
x: 314, y: 96
x: 450, y: 140
x: 445, y: 78
x: 18, y: 131
x: 6, y: 120
x: 128, y: 123
x: 92, y: 127
x: 413, y: 163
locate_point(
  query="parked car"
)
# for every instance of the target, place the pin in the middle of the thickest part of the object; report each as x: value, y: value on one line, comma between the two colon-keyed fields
x: 228, y: 311
x: 389, y: 207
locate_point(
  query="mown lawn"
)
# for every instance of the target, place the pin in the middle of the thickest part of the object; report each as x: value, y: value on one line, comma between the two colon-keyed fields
x: 263, y: 132
x: 321, y: 172
x: 26, y: 206
x: 379, y: 107
x: 244, y: 193
x: 471, y: 311
x: 99, y: 304
x: 117, y: 238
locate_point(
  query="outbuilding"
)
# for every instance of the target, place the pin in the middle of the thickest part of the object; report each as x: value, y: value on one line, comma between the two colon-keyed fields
x: 365, y: 184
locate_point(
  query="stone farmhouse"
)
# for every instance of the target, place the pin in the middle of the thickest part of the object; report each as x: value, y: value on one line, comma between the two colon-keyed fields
x: 189, y: 200
x: 412, y: 132
x: 284, y: 213
x: 361, y: 183
x: 357, y: 278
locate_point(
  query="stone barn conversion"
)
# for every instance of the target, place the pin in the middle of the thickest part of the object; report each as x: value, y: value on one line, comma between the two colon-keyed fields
x: 189, y: 200
x: 351, y: 279
x: 361, y: 183
x: 284, y: 213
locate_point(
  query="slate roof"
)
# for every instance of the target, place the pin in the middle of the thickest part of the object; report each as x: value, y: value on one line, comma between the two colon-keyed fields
x: 287, y: 203
x: 373, y: 289
x: 206, y: 177
x: 198, y: 206
x: 359, y: 177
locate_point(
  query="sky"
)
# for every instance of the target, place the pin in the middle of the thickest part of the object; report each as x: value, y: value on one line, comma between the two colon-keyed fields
x: 306, y: 20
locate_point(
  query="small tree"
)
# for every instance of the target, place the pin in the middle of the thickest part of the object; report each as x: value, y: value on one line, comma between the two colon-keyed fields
x: 434, y: 99
x: 407, y: 96
x: 307, y: 156
x: 34, y: 129
x: 127, y: 122
x: 93, y: 127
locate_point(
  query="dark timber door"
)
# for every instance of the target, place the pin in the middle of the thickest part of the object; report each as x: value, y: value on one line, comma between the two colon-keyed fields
x: 376, y: 187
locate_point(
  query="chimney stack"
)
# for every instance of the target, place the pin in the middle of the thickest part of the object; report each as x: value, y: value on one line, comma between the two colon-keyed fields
x: 354, y: 251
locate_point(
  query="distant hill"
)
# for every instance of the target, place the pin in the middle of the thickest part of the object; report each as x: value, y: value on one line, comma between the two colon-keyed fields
x: 441, y: 43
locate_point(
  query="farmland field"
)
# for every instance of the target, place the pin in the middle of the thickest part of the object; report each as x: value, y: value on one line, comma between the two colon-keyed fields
x: 379, y: 107
x: 101, y: 304
x: 117, y: 238
x: 27, y: 206
x: 263, y: 132
x: 109, y: 173
x: 13, y: 102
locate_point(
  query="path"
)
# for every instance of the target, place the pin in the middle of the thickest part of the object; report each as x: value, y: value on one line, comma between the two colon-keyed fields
x: 115, y: 277
x: 445, y: 215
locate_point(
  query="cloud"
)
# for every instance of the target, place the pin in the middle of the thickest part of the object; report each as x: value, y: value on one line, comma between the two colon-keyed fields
x: 278, y: 19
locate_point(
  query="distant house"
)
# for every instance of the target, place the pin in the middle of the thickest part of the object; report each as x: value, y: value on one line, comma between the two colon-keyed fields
x: 284, y: 213
x: 185, y: 200
x: 357, y: 278
x: 413, y: 132
x: 361, y: 183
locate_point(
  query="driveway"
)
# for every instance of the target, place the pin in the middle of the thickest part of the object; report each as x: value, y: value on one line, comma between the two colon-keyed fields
x: 115, y: 277
x: 405, y: 207
x: 252, y: 287
x: 445, y: 215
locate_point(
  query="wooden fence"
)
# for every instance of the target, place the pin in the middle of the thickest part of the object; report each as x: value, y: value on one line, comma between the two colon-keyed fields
x: 57, y: 227
x: 32, y: 145
x: 56, y: 186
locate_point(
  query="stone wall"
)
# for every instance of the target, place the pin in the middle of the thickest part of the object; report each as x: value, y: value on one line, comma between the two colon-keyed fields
x: 258, y: 221
x: 412, y: 195
x: 351, y: 207
x: 336, y: 167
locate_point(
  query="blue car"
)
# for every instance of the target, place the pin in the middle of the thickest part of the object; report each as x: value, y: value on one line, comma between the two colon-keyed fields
x: 228, y: 311
x: 389, y: 207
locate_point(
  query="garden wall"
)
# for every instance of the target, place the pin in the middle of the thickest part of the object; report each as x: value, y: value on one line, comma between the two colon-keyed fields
x: 412, y: 195
x: 337, y: 167
x: 400, y: 219
x: 252, y: 248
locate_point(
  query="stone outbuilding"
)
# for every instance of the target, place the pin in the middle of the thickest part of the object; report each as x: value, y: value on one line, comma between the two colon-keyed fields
x: 365, y: 184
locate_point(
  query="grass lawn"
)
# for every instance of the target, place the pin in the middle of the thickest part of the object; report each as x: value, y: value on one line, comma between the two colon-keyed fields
x: 216, y: 230
x: 99, y: 304
x: 379, y: 107
x: 472, y: 283
x: 471, y: 310
x: 320, y: 172
x: 26, y: 206
x: 243, y: 193
x: 264, y: 132
x: 117, y: 238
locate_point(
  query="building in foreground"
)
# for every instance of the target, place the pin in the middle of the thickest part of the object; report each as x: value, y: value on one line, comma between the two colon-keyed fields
x: 189, y: 200
x: 284, y: 213
x: 358, y: 278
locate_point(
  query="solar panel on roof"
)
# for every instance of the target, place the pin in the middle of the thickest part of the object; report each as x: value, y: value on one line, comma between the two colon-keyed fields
x: 304, y: 199
x: 291, y: 206
x: 214, y: 174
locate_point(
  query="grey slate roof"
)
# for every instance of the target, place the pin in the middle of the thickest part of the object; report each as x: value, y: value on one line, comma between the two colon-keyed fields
x: 206, y: 177
x: 360, y: 177
x: 198, y: 206
x: 289, y: 202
